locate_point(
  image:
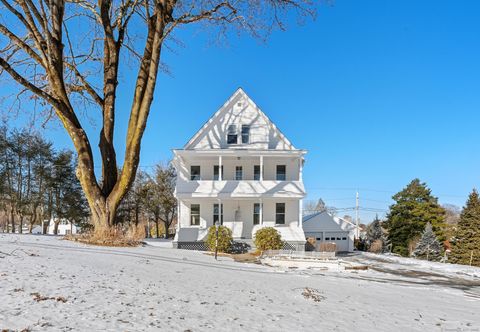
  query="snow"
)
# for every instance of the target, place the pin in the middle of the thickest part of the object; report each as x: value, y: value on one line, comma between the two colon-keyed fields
x: 154, y: 288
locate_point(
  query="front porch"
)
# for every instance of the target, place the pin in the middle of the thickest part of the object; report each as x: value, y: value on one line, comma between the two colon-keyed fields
x: 242, y: 216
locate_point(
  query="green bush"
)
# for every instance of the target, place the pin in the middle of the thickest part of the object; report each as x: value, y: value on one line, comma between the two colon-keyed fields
x: 225, y: 239
x: 268, y: 238
x: 402, y: 251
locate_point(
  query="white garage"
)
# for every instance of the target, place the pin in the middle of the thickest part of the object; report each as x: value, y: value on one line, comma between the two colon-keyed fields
x: 329, y: 229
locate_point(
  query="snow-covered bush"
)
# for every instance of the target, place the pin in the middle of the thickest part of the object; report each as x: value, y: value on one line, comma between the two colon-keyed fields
x: 225, y: 239
x: 268, y: 238
x: 428, y: 247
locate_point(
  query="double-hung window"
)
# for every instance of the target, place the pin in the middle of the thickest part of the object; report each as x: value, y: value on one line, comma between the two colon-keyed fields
x: 245, y: 134
x: 194, y: 173
x: 195, y: 214
x: 256, y: 213
x: 216, y: 172
x: 238, y: 173
x: 218, y: 214
x: 256, y: 172
x: 281, y: 172
x: 280, y: 214
x: 232, y: 135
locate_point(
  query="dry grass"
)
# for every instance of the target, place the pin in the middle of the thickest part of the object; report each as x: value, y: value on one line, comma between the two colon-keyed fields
x: 249, y: 257
x: 376, y: 247
x: 112, y: 237
x: 327, y: 247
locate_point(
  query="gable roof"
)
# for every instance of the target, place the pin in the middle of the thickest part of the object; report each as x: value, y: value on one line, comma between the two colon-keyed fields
x: 324, y: 216
x: 225, y: 107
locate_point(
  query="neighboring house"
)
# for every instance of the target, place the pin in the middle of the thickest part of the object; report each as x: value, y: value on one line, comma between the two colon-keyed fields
x: 37, y: 229
x: 64, y: 227
x: 239, y: 170
x: 325, y: 228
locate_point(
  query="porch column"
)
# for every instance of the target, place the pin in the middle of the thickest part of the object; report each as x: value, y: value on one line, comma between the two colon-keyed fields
x: 261, y: 168
x: 220, y: 173
x: 300, y: 169
x: 220, y: 210
x: 178, y: 214
x: 261, y: 212
x: 300, y: 213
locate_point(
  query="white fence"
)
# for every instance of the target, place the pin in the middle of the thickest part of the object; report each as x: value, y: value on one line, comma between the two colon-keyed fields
x: 291, y: 254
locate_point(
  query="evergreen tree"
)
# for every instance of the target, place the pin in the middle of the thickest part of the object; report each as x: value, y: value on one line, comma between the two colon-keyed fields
x: 466, y: 245
x: 375, y: 232
x: 414, y: 207
x: 428, y: 247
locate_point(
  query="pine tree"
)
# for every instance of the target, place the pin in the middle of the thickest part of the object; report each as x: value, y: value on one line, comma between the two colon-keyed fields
x: 428, y: 247
x: 375, y: 232
x: 466, y: 247
x: 414, y: 207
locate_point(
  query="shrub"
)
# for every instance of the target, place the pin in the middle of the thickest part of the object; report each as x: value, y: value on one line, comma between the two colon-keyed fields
x: 268, y: 238
x: 225, y: 239
x: 327, y: 247
x: 376, y: 247
x: 311, y: 244
x: 400, y: 250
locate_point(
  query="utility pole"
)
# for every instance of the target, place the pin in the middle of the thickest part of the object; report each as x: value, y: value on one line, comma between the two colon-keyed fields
x: 357, y: 232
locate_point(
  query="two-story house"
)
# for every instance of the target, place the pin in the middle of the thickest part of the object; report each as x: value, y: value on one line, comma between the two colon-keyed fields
x: 240, y: 171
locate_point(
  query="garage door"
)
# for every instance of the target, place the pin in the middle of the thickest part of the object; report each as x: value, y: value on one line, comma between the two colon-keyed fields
x: 339, y: 238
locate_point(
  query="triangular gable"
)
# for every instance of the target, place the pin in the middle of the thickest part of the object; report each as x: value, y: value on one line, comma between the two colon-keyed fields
x: 264, y: 133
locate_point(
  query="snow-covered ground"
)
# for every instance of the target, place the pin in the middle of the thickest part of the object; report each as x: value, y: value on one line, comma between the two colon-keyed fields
x: 48, y: 284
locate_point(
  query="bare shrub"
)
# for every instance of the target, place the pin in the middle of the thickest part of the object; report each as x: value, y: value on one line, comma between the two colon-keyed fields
x: 112, y: 237
x: 376, y: 247
x: 327, y: 247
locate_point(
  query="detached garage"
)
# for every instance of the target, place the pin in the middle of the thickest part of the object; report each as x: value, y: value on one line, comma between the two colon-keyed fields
x: 325, y: 228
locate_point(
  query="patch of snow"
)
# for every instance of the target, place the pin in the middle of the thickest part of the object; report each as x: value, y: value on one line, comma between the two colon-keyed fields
x: 49, y: 284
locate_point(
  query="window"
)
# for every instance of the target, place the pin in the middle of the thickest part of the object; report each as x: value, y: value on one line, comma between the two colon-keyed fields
x: 245, y: 134
x: 238, y: 173
x: 256, y: 172
x: 195, y: 214
x: 281, y: 172
x: 344, y: 238
x: 338, y: 238
x: 194, y: 173
x: 319, y: 238
x: 256, y: 213
x: 216, y: 174
x: 218, y: 214
x: 327, y: 239
x: 280, y: 213
x: 232, y: 134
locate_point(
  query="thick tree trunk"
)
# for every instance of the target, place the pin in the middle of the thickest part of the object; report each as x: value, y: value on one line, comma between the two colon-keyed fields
x: 157, y: 228
x: 55, y: 228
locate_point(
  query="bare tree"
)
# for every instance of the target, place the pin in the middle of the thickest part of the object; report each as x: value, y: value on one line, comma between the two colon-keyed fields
x: 159, y: 199
x: 50, y: 63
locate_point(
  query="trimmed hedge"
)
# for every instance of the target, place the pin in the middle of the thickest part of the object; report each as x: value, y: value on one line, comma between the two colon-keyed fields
x: 268, y: 238
x: 225, y: 239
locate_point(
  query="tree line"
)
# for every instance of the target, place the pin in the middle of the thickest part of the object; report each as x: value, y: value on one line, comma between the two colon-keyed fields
x: 418, y: 226
x: 38, y: 184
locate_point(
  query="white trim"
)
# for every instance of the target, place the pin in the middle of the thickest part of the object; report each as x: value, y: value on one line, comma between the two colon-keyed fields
x: 224, y: 108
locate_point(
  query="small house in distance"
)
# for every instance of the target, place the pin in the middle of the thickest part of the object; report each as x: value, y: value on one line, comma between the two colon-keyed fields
x: 65, y: 227
x: 325, y: 228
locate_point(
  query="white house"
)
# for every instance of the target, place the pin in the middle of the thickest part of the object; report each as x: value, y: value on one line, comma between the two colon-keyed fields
x: 325, y: 228
x: 239, y: 170
x: 65, y: 227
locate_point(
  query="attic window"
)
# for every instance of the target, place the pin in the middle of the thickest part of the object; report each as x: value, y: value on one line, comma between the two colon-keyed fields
x: 245, y: 134
x: 232, y: 134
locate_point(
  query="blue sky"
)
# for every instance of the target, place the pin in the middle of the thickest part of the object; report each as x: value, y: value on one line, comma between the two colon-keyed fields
x: 378, y: 92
